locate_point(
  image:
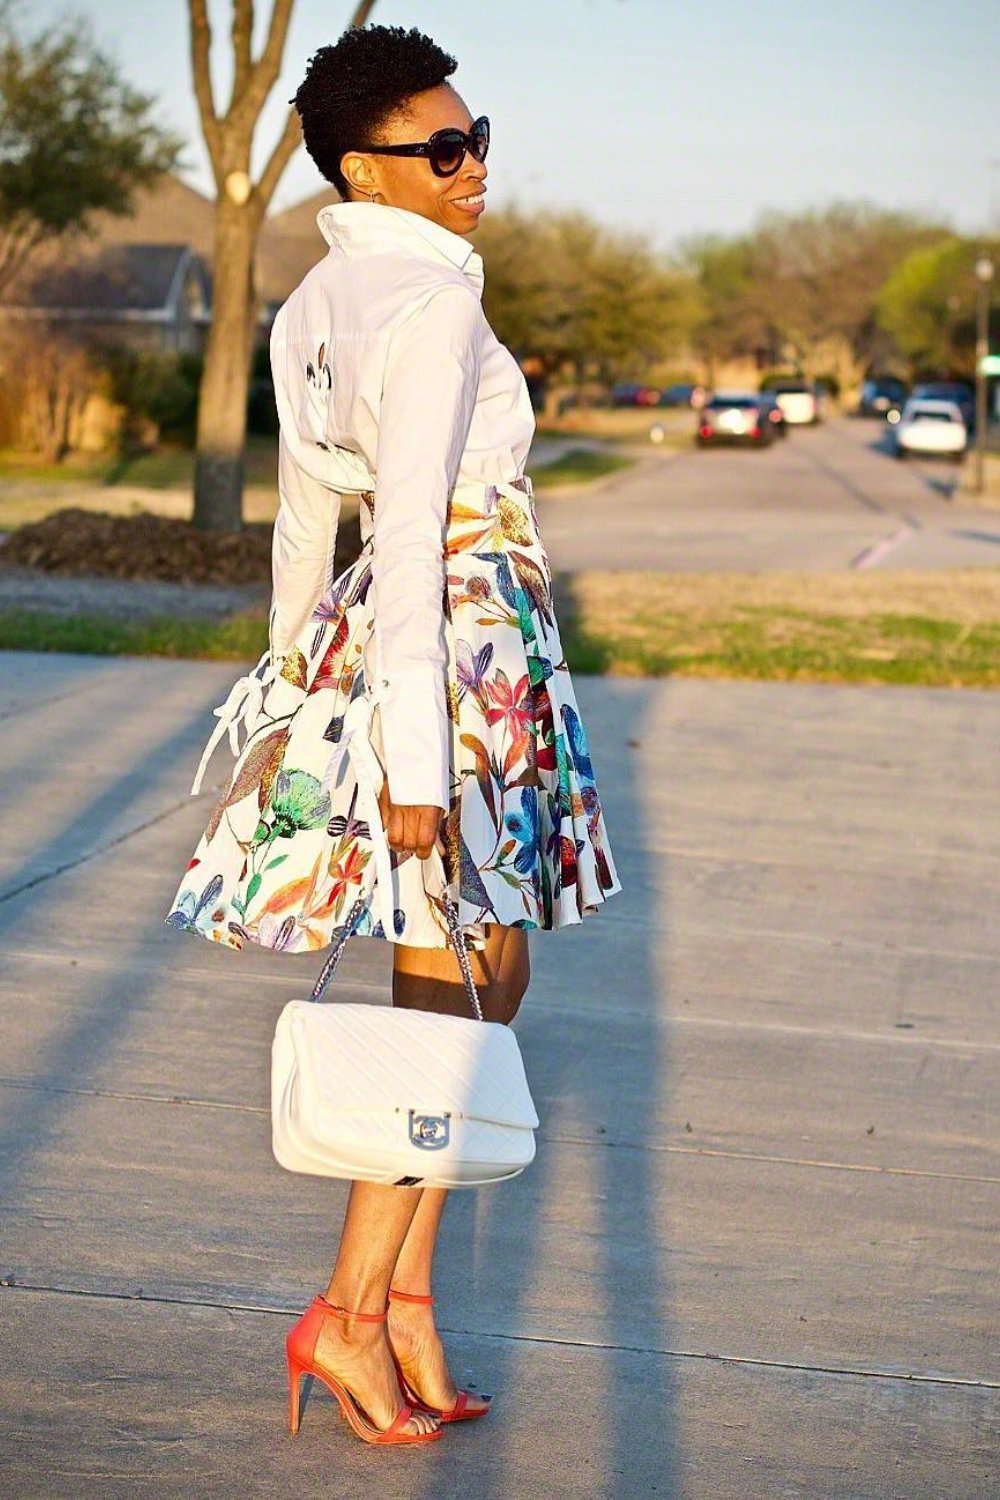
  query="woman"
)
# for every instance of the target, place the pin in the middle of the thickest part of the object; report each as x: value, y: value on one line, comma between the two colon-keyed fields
x: 413, y: 729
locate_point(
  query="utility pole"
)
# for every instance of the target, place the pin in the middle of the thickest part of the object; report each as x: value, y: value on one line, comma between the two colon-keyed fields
x: 993, y: 227
x: 984, y: 286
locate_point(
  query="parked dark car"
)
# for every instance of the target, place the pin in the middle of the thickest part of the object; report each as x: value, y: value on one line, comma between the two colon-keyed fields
x: 631, y: 394
x: 735, y: 417
x: 684, y: 393
x: 775, y: 415
x: 880, y: 395
x: 626, y: 394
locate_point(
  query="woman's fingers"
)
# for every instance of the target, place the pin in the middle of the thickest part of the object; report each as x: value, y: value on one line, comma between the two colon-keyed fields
x: 420, y: 826
x: 409, y: 830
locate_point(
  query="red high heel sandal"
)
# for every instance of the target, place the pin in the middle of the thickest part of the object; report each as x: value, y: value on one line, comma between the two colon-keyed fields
x: 300, y: 1350
x: 460, y: 1411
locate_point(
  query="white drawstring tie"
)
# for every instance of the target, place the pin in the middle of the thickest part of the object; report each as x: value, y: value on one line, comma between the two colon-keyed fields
x: 245, y: 700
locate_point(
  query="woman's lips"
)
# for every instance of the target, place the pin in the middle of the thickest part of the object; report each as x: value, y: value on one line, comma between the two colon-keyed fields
x: 471, y: 203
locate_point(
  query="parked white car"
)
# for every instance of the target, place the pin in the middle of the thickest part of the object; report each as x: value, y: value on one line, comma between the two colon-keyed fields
x: 798, y: 400
x: 935, y: 427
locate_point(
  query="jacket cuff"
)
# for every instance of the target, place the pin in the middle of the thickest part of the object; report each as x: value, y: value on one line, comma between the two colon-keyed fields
x: 416, y: 737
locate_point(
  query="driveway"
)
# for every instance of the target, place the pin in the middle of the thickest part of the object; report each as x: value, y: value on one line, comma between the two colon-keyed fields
x: 756, y: 1255
x: 827, y: 498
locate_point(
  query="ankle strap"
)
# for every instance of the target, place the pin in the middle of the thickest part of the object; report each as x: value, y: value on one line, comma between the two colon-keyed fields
x: 345, y: 1312
x: 409, y: 1297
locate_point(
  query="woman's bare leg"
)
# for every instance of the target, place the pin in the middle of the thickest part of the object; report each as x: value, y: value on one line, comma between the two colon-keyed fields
x: 375, y: 1228
x: 430, y: 979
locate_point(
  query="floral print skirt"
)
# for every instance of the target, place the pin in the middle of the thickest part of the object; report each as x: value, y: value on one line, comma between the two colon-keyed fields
x: 296, y: 836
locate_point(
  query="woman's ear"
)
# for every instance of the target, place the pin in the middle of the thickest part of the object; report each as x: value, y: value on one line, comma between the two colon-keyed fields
x: 357, y: 169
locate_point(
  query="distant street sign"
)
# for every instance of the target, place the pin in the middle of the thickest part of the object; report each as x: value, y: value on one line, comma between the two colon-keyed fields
x: 990, y: 365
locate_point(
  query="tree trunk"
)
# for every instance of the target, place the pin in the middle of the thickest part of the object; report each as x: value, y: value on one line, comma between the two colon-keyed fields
x: 222, y: 399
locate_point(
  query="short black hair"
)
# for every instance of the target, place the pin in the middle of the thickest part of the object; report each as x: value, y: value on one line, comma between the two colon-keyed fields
x: 353, y: 88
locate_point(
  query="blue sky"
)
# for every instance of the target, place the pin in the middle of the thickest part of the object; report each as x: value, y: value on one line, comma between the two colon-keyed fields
x: 662, y: 116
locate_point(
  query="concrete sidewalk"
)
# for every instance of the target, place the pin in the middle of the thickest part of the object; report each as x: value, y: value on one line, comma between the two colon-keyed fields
x: 757, y: 1253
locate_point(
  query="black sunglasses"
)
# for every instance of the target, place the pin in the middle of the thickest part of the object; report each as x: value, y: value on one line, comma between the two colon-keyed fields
x: 445, y: 149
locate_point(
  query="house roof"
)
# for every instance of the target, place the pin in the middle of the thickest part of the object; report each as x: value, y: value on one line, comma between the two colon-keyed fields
x: 125, y: 268
x: 118, y: 279
x: 290, y: 244
x: 167, y: 212
x: 171, y: 212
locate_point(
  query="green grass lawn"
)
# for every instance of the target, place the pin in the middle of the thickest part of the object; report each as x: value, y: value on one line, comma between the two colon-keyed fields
x: 165, y: 469
x: 932, y: 630
x: 788, y: 645
x: 162, y: 482
x: 238, y: 638
x: 577, y: 466
x: 173, y: 468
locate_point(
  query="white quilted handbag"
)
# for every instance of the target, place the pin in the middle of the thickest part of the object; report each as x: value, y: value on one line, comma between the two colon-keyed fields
x: 399, y: 1096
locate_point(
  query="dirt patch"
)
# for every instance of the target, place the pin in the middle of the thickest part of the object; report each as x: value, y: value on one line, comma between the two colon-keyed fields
x: 78, y: 543
x: 25, y: 501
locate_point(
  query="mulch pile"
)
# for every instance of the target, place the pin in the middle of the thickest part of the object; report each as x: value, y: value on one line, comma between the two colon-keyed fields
x: 77, y: 543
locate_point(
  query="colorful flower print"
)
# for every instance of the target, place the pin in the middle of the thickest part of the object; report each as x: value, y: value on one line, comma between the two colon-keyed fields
x: 291, y: 845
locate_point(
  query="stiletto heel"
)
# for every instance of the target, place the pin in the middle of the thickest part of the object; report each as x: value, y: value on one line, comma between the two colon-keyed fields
x: 300, y: 1353
x: 295, y: 1373
x: 460, y: 1412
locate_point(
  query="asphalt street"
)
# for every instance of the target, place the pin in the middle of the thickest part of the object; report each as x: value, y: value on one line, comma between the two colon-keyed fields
x: 826, y: 498
x: 755, y: 1257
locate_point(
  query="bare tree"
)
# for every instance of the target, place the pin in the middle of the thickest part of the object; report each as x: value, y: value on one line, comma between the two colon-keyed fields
x: 240, y: 207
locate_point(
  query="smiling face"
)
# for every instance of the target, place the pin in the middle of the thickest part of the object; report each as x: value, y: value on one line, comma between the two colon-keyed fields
x: 408, y: 181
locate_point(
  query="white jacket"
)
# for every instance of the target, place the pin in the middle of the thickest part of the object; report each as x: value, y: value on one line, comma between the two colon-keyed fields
x: 389, y: 378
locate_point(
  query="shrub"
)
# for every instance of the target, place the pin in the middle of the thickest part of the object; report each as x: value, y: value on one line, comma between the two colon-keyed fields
x: 156, y: 389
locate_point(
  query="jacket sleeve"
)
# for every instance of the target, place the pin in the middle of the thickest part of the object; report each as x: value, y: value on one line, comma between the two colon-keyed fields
x: 302, y: 548
x: 428, y: 397
x: 313, y: 474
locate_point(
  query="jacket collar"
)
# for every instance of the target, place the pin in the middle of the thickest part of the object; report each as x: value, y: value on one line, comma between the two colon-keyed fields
x: 343, y: 225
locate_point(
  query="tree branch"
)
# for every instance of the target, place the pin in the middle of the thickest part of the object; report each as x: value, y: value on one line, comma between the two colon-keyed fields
x: 242, y: 38
x: 268, y: 66
x: 362, y: 13
x: 201, y: 45
x: 265, y: 71
x: 287, y: 145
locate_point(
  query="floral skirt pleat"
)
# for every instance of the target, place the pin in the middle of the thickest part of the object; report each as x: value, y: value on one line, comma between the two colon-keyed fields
x: 288, y: 849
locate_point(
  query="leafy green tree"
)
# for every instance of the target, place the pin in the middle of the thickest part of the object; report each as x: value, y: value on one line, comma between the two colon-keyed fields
x: 729, y: 319
x: 526, y: 297
x: 802, y: 285
x: 927, y: 306
x: 74, y: 140
x: 579, y: 299
x: 819, y: 273
x: 635, y: 311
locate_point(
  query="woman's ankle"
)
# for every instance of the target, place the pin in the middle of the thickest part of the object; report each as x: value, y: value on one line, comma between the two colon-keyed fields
x: 410, y: 1293
x: 364, y: 1301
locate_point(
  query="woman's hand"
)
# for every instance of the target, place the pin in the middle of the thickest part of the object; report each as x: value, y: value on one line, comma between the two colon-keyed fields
x: 410, y: 830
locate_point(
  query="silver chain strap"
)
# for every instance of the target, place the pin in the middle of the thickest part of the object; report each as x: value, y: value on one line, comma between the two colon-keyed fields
x: 462, y: 954
x: 454, y: 935
x: 327, y: 971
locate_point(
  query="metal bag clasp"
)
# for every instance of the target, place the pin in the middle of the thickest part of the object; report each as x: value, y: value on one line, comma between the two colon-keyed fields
x: 430, y: 1132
